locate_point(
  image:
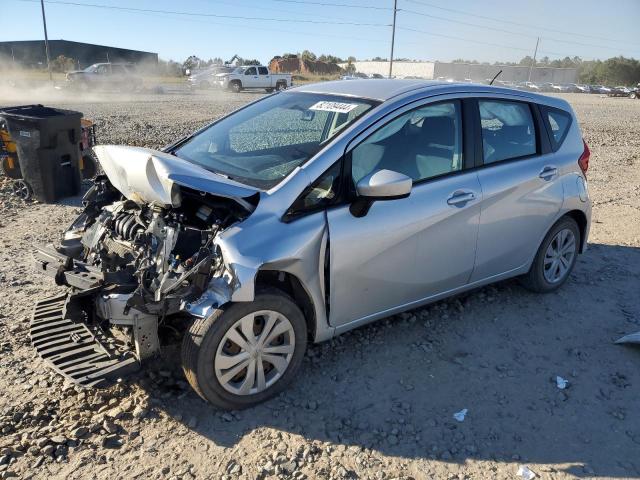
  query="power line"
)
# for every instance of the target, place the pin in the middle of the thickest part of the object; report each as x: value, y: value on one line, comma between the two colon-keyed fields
x: 202, y: 14
x: 266, y: 29
x: 269, y: 9
x: 508, y: 31
x: 476, y: 41
x: 496, y: 29
x: 463, y: 39
x: 328, y: 4
x: 535, y: 27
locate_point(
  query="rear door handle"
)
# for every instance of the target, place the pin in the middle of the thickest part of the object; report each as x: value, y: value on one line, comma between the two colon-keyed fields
x: 548, y: 172
x: 460, y: 197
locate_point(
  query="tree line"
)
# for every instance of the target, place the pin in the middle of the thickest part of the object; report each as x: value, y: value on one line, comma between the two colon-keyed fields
x: 613, y: 71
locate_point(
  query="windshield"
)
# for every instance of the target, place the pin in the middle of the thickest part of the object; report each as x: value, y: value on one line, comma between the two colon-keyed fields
x: 91, y: 68
x: 264, y: 142
x: 239, y: 70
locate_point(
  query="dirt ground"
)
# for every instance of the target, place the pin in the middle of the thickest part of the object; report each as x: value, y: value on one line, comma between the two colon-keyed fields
x: 378, y: 402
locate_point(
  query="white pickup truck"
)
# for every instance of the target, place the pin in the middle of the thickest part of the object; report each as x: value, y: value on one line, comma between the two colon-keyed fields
x: 253, y: 76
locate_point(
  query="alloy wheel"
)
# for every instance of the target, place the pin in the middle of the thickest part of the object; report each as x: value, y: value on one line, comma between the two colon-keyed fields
x: 559, y: 256
x: 255, y: 352
x: 21, y: 189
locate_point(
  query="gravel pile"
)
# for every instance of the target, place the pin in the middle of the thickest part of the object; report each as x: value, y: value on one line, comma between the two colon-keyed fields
x: 378, y: 402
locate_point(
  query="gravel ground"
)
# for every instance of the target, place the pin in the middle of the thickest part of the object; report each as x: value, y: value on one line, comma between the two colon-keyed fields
x: 377, y: 402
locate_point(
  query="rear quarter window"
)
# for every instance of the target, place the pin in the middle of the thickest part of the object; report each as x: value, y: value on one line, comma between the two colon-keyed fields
x: 558, y: 123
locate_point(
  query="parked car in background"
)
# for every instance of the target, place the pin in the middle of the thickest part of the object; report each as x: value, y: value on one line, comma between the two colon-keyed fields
x: 531, y: 86
x: 635, y: 92
x: 116, y: 76
x: 578, y: 88
x: 600, y: 89
x: 620, y: 91
x: 253, y: 77
x: 253, y: 236
x: 560, y: 88
x: 207, y: 78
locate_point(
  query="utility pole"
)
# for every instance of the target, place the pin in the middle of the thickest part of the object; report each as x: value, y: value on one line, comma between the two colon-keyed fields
x: 46, y: 40
x: 533, y: 62
x: 393, y: 36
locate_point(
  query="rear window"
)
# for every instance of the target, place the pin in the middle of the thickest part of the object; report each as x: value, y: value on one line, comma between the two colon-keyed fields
x: 508, y: 130
x: 558, y: 122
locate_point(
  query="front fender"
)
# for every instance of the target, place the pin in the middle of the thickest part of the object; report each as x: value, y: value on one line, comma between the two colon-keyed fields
x: 265, y: 243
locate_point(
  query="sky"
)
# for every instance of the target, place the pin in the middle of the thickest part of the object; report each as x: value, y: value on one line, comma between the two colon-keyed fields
x: 489, y: 30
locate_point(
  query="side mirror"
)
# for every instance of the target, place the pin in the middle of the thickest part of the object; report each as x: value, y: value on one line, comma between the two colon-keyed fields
x: 380, y: 185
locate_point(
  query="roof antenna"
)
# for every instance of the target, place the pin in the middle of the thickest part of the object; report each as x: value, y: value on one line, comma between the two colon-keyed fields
x: 493, y: 79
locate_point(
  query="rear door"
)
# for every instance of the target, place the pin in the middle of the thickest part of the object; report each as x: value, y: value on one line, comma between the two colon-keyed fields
x: 406, y: 250
x: 264, y: 78
x: 521, y: 186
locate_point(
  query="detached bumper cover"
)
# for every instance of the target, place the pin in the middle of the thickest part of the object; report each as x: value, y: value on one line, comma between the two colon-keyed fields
x: 81, y: 354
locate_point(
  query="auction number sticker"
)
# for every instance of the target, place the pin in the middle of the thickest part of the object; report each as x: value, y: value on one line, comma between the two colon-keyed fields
x: 337, y: 107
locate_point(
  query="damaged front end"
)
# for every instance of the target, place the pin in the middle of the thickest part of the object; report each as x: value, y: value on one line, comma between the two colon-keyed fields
x: 140, y: 255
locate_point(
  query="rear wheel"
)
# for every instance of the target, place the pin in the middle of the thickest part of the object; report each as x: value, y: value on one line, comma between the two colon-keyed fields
x: 281, y: 86
x: 246, y: 353
x: 555, y: 259
x: 633, y: 95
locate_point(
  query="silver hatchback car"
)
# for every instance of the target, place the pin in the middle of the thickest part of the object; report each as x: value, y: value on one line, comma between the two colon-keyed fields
x: 306, y: 214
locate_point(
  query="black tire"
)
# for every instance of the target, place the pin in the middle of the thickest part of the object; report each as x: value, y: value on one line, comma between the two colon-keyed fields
x: 269, y: 90
x: 633, y: 95
x: 535, y: 279
x: 201, y: 342
x: 235, y: 86
x: 22, y: 189
x: 281, y: 86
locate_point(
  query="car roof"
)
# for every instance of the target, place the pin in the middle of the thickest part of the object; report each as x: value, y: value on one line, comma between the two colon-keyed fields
x: 375, y: 89
x: 386, y: 89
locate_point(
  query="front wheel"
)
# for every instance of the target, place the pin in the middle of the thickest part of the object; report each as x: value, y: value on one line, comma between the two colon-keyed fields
x: 633, y: 95
x: 236, y: 87
x: 556, y: 257
x: 245, y: 353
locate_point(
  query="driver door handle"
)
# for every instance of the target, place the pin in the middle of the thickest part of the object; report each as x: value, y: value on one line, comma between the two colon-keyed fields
x: 460, y: 197
x: 548, y: 172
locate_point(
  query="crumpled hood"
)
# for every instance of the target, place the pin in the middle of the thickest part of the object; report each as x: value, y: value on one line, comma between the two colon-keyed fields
x: 144, y: 176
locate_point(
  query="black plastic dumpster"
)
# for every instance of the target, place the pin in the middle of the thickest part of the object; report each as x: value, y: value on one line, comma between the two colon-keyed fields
x: 47, y: 141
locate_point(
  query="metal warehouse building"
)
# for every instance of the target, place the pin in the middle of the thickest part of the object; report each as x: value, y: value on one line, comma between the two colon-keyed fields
x: 32, y: 52
x: 460, y: 71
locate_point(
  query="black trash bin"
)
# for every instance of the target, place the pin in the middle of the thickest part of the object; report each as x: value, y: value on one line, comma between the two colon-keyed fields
x: 47, y: 141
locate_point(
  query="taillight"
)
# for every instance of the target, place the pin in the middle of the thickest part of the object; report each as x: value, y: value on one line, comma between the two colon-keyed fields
x: 583, y: 161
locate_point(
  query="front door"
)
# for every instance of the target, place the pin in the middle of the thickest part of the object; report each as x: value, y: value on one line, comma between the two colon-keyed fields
x: 407, y: 250
x: 250, y: 79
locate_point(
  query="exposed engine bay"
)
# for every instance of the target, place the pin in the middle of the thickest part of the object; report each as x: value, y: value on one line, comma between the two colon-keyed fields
x: 131, y: 267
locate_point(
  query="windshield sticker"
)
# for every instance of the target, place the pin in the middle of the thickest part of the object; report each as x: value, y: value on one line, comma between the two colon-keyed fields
x: 337, y: 107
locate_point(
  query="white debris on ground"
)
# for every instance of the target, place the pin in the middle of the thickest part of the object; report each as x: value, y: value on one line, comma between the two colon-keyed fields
x: 561, y: 383
x: 460, y: 416
x: 525, y: 472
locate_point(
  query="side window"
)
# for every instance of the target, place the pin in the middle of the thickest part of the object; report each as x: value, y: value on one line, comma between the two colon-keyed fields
x: 507, y: 130
x: 263, y: 71
x: 423, y: 143
x: 250, y: 71
x: 322, y: 193
x: 559, y: 122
